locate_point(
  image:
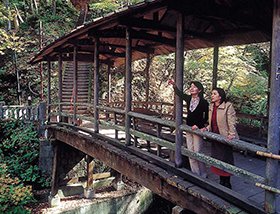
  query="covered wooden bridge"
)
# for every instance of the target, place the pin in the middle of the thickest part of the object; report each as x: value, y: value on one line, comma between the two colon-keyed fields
x: 155, y: 28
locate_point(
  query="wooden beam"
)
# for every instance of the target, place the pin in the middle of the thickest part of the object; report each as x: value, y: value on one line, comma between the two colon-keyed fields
x: 139, y: 48
x: 78, y: 42
x: 113, y: 54
x: 145, y: 24
x: 81, y: 50
x: 142, y: 35
x: 108, y: 33
x: 120, y: 33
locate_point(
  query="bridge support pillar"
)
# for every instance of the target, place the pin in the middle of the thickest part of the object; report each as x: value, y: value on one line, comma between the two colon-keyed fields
x: 46, y: 156
x: 89, y: 191
x: 55, y: 174
x: 54, y: 201
x: 178, y: 210
x: 118, y: 183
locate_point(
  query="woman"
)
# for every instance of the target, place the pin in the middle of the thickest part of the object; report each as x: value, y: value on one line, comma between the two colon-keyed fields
x: 197, y: 118
x: 222, y: 120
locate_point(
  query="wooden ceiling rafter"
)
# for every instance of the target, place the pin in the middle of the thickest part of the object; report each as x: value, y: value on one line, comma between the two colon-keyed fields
x: 145, y: 24
x: 222, y: 22
x: 138, y: 48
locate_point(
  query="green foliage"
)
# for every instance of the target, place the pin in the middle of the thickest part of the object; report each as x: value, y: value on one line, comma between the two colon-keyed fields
x: 13, y: 194
x: 19, y: 150
x: 100, y: 8
x: 18, y: 44
x: 55, y: 24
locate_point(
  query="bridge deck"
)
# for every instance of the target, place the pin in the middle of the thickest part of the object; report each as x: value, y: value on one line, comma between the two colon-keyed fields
x: 245, y: 189
x: 244, y: 161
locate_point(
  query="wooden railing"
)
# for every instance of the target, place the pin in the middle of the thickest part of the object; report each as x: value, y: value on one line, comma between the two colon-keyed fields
x: 257, y: 125
x: 157, y: 134
x: 254, y: 124
x: 154, y: 133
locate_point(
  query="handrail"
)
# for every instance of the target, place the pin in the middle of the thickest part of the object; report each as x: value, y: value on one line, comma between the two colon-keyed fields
x: 259, y: 180
x: 251, y: 116
x: 239, y: 144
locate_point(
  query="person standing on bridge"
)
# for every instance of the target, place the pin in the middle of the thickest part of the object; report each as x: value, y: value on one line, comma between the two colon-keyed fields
x: 222, y: 120
x: 197, y: 118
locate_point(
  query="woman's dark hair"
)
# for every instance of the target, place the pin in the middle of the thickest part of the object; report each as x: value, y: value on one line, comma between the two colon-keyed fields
x: 200, y: 87
x: 222, y: 94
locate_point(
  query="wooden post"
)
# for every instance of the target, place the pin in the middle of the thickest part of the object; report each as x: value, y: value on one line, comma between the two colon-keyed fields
x: 116, y: 122
x: 41, y: 64
x: 49, y: 90
x: 274, y: 106
x: 90, y: 168
x: 28, y: 109
x: 2, y: 103
x: 42, y: 118
x: 75, y: 85
x: 109, y: 76
x: 60, y: 84
x: 134, y: 124
x: 148, y: 61
x: 96, y: 85
x: 109, y: 83
x: 215, y: 66
x: 159, y: 127
x: 128, y: 78
x: 54, y: 182
x: 179, y: 83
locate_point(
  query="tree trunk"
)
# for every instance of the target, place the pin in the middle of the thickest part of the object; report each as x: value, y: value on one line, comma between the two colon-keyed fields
x: 54, y: 7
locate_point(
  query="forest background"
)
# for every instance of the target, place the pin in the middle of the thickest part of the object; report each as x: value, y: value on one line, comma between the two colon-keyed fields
x: 28, y: 25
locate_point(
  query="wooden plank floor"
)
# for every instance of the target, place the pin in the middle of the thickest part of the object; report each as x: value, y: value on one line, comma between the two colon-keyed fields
x: 248, y: 162
x: 247, y: 188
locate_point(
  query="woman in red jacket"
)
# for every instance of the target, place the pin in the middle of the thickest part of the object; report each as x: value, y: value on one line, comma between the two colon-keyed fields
x: 222, y: 120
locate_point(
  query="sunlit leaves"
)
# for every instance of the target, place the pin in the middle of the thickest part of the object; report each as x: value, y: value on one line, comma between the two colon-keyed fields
x: 13, y: 194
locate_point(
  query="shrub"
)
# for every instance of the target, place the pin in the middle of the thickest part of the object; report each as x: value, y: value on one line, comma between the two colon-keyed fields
x: 13, y: 194
x: 19, y: 150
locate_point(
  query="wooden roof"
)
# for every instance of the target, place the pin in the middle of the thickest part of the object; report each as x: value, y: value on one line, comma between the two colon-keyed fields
x: 207, y: 23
